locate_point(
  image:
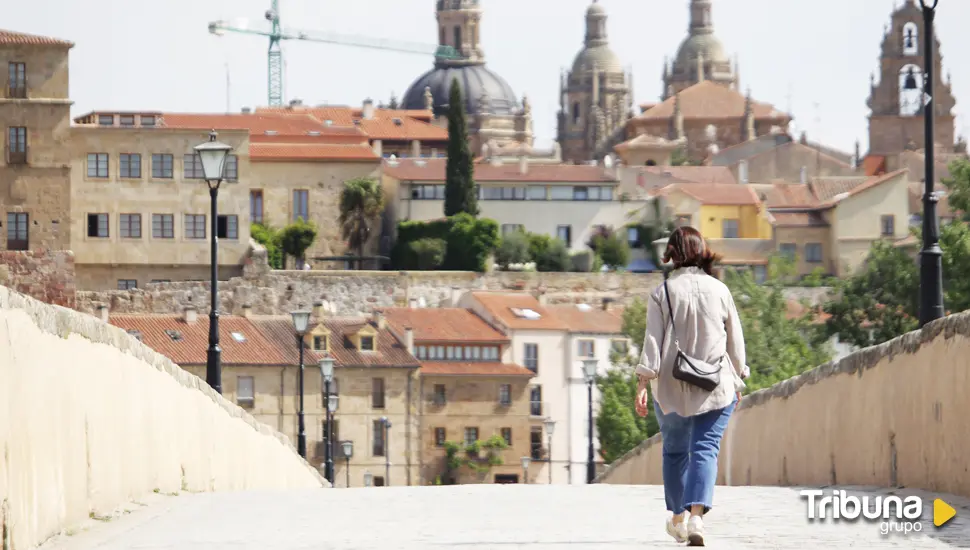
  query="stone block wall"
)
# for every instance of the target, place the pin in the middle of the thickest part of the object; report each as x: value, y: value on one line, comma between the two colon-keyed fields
x: 92, y: 420
x: 892, y: 415
x: 42, y: 274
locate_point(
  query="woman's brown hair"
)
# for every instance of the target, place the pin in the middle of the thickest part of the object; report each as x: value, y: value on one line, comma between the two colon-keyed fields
x: 686, y: 248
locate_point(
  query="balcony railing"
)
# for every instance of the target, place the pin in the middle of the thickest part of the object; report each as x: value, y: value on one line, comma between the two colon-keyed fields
x: 17, y: 92
x: 16, y: 157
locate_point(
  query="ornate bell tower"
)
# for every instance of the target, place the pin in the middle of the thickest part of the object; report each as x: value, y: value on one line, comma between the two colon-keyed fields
x: 896, y: 101
x: 459, y: 22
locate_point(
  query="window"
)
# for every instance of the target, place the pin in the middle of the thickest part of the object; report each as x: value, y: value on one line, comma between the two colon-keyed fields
x: 301, y: 204
x: 561, y: 193
x: 743, y: 171
x: 98, y: 225
x: 813, y: 252
x: 17, y: 231
x: 910, y: 39
x: 163, y: 226
x: 127, y: 121
x: 378, y: 447
x: 536, y: 193
x: 587, y: 348
x: 490, y: 353
x: 129, y: 226
x: 535, y: 401
x: 458, y: 38
x: 17, y: 145
x: 245, y: 391
x: 192, y: 166
x: 106, y: 120
x: 195, y: 226
x: 505, y: 395
x: 378, y: 481
x: 366, y: 343
x: 439, y: 437
x: 129, y: 165
x: 147, y: 120
x: 439, y: 395
x: 580, y: 193
x: 682, y: 221
x: 17, y: 80
x: 428, y: 192
x: 565, y: 234
x: 231, y: 169
x: 127, y: 284
x: 507, y: 436
x: 531, y: 357
x: 319, y: 343
x: 576, y: 113
x: 760, y: 274
x: 730, y: 229
x: 606, y: 193
x: 471, y: 436
x: 535, y: 443
x: 377, y: 393
x: 503, y: 193
x: 510, y: 228
x: 888, y: 224
x: 788, y: 250
x: 227, y: 227
x: 156, y: 281
x: 256, y: 206
x: 162, y: 164
x: 97, y: 165
x: 633, y: 236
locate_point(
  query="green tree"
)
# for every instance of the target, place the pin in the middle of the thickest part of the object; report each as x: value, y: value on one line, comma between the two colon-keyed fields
x: 461, y: 195
x: 613, y: 251
x: 361, y: 202
x: 430, y: 253
x: 270, y: 239
x: 554, y: 257
x: 958, y: 185
x: 297, y: 238
x: 513, y: 249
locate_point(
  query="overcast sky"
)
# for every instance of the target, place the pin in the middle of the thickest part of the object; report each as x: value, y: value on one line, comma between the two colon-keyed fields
x: 810, y: 57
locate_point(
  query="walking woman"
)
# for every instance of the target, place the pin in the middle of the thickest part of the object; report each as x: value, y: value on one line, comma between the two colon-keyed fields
x: 693, y: 358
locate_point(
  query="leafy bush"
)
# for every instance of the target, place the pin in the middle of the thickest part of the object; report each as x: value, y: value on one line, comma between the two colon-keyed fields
x: 614, y: 251
x: 270, y: 239
x: 429, y: 253
x: 297, y: 238
x: 538, y: 244
x: 469, y: 242
x: 554, y: 258
x: 582, y: 261
x: 514, y: 249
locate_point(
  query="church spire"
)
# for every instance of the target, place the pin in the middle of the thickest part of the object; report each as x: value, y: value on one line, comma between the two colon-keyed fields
x: 700, y: 17
x: 596, y: 25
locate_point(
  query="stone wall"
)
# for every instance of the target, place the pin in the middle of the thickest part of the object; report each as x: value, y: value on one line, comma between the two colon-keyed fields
x: 890, y: 415
x: 42, y: 274
x: 93, y: 420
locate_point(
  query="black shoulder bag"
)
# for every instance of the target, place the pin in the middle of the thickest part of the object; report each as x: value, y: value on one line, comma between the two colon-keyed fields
x: 688, y: 369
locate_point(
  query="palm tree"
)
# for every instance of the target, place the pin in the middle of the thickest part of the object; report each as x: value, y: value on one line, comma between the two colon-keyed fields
x: 361, y: 201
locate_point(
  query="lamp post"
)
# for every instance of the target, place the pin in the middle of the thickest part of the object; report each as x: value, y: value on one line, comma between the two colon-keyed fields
x: 326, y: 373
x: 387, y: 450
x: 348, y: 447
x: 300, y: 321
x: 931, y: 257
x: 589, y: 371
x: 213, y: 156
x: 550, y: 425
x: 525, y: 469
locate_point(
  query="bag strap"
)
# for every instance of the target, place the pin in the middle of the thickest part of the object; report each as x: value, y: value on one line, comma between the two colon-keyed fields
x: 673, y: 328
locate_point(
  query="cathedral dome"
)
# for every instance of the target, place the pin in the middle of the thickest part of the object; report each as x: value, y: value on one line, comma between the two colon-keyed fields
x: 704, y: 44
x: 602, y: 57
x: 476, y: 81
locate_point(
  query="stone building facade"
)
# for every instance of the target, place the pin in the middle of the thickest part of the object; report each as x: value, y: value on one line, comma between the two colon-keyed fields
x: 35, y: 199
x: 896, y: 122
x: 596, y: 96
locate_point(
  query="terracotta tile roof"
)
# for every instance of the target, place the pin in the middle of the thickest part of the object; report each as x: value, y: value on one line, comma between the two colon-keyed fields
x: 826, y: 188
x: 785, y: 195
x: 390, y: 352
x: 799, y: 219
x: 452, y: 368
x: 24, y: 39
x: 504, y: 305
x: 190, y: 349
x: 873, y: 165
x: 821, y: 193
x: 386, y: 124
x: 648, y: 141
x: 714, y: 193
x: 707, y: 100
x: 432, y: 325
x: 311, y: 152
x: 864, y: 186
x: 434, y: 170
x: 694, y: 174
x: 588, y: 319
x: 256, y: 123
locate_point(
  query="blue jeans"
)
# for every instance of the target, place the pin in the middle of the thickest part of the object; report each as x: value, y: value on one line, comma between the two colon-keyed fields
x: 690, y: 447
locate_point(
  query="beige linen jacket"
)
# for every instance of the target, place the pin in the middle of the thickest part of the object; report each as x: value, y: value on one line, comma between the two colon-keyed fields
x: 708, y: 328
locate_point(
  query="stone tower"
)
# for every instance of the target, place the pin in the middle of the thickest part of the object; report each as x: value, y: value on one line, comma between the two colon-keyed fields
x: 458, y: 26
x: 896, y: 121
x: 596, y: 98
x: 700, y: 56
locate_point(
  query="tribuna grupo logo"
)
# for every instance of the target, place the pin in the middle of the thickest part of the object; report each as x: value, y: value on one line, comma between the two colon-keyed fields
x: 894, y: 514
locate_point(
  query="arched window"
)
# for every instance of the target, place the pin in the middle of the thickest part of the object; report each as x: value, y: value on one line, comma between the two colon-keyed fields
x: 910, y: 90
x: 910, y: 39
x: 458, y: 38
x: 576, y: 113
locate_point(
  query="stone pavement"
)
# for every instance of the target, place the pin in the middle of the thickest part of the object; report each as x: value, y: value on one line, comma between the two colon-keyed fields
x: 483, y: 517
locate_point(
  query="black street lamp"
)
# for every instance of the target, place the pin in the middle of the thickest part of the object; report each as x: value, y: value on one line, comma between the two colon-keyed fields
x: 589, y: 372
x: 301, y: 319
x: 348, y: 448
x: 330, y: 405
x: 387, y: 450
x: 550, y: 425
x: 213, y: 156
x: 931, y: 257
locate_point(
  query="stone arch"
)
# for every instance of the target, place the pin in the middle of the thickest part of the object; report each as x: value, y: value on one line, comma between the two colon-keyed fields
x: 576, y: 113
x: 910, y: 90
x: 910, y: 38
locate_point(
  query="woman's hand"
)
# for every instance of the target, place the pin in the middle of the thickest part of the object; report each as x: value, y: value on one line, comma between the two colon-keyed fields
x: 738, y: 398
x: 641, y: 404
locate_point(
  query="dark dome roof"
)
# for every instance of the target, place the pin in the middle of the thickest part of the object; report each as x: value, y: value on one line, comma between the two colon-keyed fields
x: 475, y: 80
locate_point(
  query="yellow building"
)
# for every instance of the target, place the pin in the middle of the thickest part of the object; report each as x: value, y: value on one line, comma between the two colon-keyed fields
x: 719, y: 211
